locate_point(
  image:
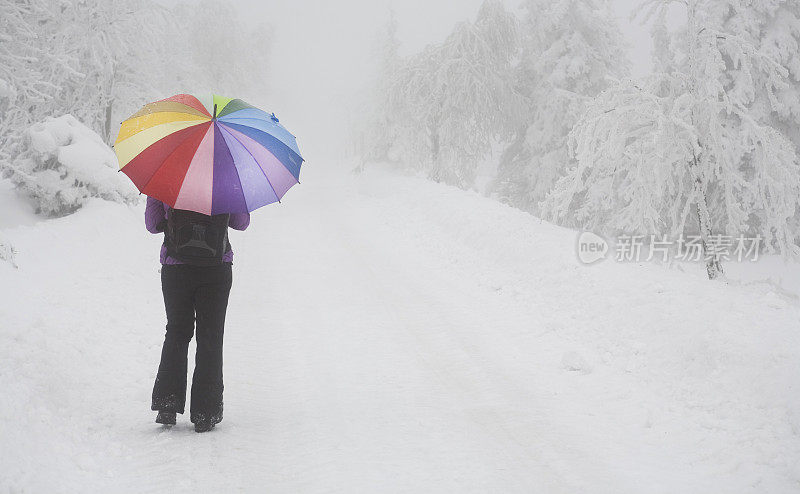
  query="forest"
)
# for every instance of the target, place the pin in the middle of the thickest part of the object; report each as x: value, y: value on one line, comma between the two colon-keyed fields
x: 96, y: 62
x: 706, y: 144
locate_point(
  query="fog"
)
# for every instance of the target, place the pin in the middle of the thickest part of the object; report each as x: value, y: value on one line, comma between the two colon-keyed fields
x: 321, y: 55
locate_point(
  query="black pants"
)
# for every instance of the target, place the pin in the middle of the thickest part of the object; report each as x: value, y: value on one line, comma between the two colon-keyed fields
x: 193, y: 293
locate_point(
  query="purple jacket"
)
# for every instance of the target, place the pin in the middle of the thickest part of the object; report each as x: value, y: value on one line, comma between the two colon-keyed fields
x: 156, y: 212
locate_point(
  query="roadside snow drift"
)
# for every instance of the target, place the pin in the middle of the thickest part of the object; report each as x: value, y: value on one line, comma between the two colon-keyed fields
x: 67, y: 164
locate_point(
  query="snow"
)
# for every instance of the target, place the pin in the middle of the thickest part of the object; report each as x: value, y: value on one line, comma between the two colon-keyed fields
x: 16, y: 210
x: 68, y: 164
x: 389, y: 334
x: 6, y: 90
x: 75, y: 146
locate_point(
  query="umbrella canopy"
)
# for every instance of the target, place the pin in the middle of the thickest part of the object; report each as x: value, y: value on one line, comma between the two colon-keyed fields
x: 212, y: 155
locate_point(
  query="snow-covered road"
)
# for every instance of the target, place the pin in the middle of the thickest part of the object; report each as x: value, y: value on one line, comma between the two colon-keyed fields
x: 387, y: 334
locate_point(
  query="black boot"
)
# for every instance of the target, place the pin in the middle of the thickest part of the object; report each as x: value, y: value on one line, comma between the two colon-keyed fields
x: 204, y: 425
x: 166, y: 418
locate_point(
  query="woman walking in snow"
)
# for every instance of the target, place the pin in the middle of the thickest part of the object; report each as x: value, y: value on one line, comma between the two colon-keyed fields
x: 196, y: 279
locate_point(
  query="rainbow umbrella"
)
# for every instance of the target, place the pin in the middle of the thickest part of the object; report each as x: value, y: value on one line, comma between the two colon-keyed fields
x: 212, y: 155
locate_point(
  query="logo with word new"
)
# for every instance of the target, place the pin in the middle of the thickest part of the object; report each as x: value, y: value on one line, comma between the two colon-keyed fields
x: 591, y: 248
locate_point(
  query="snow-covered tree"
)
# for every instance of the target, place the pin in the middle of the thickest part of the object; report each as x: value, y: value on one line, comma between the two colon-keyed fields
x: 122, y: 50
x: 473, y: 102
x: 683, y: 152
x: 773, y: 27
x: 377, y: 132
x: 31, y: 72
x: 570, y: 51
x: 96, y: 59
x: 451, y: 102
x: 99, y: 61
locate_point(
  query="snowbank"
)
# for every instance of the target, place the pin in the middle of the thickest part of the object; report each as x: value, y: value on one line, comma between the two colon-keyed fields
x: 16, y: 208
x: 66, y: 164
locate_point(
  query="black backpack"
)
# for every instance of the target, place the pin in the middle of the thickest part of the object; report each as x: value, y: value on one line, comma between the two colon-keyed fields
x: 196, y: 238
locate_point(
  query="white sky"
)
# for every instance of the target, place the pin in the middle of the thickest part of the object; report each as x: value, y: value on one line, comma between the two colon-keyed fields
x: 322, y: 49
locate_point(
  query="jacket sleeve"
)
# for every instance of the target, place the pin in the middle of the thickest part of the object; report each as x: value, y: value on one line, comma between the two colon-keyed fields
x: 154, y: 216
x: 239, y: 221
